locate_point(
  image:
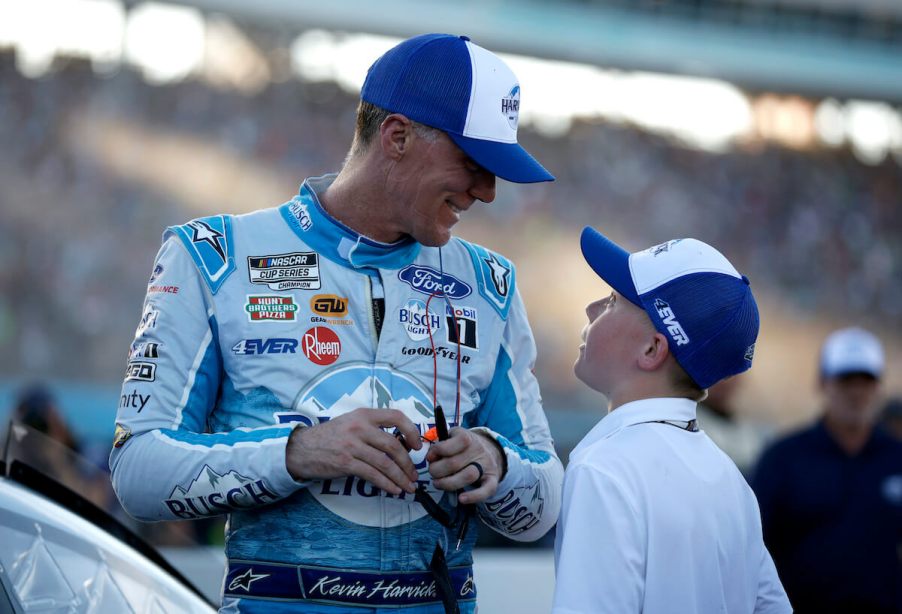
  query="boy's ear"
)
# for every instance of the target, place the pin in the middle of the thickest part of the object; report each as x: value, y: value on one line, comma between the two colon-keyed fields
x: 654, y: 353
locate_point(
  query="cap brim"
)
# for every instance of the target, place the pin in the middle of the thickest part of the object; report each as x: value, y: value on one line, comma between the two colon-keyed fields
x: 610, y: 261
x: 506, y: 160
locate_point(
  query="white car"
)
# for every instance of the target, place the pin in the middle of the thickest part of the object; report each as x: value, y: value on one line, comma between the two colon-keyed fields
x: 59, y: 553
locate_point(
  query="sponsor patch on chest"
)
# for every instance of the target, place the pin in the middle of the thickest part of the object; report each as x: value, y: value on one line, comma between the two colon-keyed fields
x: 270, y: 308
x: 294, y: 271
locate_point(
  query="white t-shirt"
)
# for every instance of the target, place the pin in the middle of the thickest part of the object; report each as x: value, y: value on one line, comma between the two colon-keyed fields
x: 656, y: 519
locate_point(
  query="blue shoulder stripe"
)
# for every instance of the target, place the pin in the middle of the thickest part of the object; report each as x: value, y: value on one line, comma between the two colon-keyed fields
x: 494, y: 276
x: 209, y: 241
x: 208, y: 440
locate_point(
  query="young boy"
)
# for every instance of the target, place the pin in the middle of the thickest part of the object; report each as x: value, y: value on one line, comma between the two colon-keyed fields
x: 656, y: 519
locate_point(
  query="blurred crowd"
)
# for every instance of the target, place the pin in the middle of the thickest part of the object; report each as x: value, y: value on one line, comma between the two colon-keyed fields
x: 77, y: 237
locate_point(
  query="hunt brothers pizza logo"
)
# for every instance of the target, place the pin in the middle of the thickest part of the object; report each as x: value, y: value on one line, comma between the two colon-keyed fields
x: 321, y: 345
x: 270, y: 308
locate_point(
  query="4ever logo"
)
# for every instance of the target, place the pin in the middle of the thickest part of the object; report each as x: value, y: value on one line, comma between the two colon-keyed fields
x: 673, y: 327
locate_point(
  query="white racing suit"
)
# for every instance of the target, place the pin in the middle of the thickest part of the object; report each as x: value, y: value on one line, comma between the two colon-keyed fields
x: 254, y: 324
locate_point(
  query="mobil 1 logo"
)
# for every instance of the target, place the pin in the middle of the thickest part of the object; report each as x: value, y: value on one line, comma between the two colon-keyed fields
x: 461, y: 325
x: 298, y: 270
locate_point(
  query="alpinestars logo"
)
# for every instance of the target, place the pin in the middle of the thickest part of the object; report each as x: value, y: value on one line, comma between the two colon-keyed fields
x: 204, y: 233
x: 663, y: 247
x: 245, y: 580
x: 750, y: 353
x: 673, y: 327
x: 500, y: 274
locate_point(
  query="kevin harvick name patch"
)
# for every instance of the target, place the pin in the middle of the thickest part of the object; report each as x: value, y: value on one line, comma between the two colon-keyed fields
x: 299, y: 270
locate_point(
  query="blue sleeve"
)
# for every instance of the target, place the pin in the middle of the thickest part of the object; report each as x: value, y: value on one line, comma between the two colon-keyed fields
x: 165, y: 464
x: 528, y: 499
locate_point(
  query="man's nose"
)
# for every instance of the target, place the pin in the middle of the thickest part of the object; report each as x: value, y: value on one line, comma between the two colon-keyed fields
x: 483, y: 186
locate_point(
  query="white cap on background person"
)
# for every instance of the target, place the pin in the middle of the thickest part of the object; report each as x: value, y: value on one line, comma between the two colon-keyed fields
x: 851, y: 350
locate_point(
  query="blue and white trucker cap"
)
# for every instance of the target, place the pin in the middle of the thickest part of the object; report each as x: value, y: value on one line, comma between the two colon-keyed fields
x: 447, y: 82
x: 851, y: 350
x: 694, y: 297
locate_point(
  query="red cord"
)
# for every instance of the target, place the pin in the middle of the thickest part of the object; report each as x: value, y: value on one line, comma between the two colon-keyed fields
x: 435, y: 357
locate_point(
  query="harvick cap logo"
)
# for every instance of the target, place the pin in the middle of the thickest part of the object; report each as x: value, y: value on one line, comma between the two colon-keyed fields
x: 429, y: 281
x: 321, y: 345
x: 510, y: 106
x: 270, y: 308
x: 286, y: 271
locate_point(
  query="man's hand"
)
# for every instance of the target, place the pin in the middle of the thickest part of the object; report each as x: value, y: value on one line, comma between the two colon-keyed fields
x: 453, y: 464
x: 354, y: 444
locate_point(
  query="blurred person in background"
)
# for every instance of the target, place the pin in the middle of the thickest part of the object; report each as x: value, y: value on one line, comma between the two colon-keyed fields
x: 891, y: 417
x: 289, y: 364
x: 36, y: 407
x: 655, y: 517
x: 831, y: 494
x: 739, y: 437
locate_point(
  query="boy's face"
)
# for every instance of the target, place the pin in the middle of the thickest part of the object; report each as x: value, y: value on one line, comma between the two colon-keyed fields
x: 613, y: 340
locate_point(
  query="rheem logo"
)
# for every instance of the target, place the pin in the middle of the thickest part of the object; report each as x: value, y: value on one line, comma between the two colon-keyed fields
x: 321, y: 345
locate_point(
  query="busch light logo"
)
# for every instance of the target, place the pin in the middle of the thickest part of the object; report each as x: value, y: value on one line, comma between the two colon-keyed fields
x: 510, y: 106
x: 429, y: 281
x: 211, y: 493
x: 342, y: 389
x: 417, y: 321
x: 301, y: 214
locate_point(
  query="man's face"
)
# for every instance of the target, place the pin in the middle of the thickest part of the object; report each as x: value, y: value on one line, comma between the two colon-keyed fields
x: 612, y: 340
x: 851, y: 399
x: 437, y: 183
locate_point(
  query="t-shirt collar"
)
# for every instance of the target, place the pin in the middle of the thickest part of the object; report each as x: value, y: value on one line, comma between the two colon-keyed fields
x: 674, y: 409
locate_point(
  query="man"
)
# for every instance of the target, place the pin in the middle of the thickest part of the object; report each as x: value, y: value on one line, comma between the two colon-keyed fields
x: 289, y: 363
x: 655, y: 517
x: 831, y: 494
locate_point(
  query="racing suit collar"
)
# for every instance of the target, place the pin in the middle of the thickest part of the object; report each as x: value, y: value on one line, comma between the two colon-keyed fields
x: 312, y: 223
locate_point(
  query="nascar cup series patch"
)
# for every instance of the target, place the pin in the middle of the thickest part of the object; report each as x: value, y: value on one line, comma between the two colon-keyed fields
x: 298, y: 270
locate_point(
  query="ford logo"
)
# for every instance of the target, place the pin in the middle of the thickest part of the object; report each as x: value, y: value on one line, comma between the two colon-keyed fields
x: 429, y: 281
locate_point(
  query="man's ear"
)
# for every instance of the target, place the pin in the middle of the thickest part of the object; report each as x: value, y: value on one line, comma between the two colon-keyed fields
x: 654, y: 353
x: 396, y: 136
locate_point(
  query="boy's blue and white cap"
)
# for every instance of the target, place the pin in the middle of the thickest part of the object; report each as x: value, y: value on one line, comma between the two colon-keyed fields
x: 447, y: 82
x: 851, y: 350
x: 694, y: 297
